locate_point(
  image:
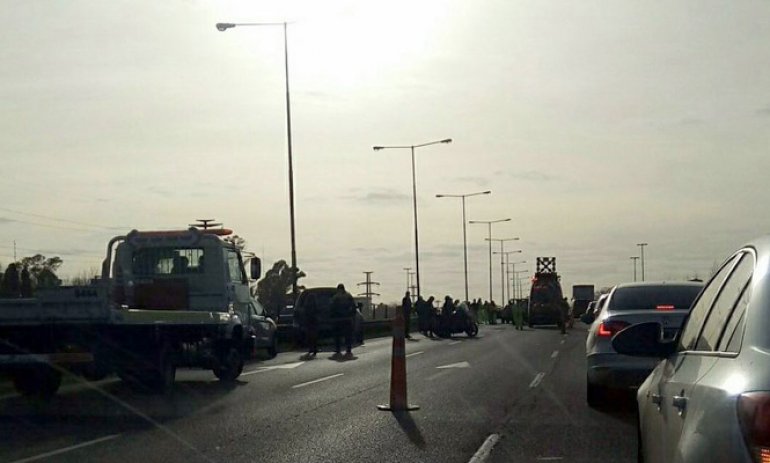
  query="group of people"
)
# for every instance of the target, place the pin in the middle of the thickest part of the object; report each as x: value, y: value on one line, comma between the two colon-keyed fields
x: 426, y: 312
x: 342, y: 312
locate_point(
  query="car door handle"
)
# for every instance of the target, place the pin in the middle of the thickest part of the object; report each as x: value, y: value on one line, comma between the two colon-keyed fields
x: 680, y: 402
x: 657, y: 399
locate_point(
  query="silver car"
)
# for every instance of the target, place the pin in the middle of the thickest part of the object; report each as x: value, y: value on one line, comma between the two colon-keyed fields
x: 708, y: 400
x: 666, y: 303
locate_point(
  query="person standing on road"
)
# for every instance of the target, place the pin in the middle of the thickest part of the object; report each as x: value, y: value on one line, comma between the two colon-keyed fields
x: 518, y: 315
x: 492, y: 313
x: 342, y: 310
x: 420, y: 308
x: 406, y: 306
x: 311, y: 325
x: 475, y: 310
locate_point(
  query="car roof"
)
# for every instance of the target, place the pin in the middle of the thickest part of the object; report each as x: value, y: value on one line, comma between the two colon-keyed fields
x: 642, y: 284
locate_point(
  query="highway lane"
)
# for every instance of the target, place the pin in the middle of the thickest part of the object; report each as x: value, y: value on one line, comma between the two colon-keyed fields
x: 324, y: 410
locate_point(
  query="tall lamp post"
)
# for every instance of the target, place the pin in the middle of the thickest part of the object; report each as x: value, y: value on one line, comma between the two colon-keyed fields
x: 634, y: 258
x: 223, y: 27
x: 489, y: 237
x: 414, y: 199
x: 641, y: 246
x: 518, y: 280
x: 465, y: 235
x: 504, y: 267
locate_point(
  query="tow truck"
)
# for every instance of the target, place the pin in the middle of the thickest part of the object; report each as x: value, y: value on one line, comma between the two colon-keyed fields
x: 165, y: 299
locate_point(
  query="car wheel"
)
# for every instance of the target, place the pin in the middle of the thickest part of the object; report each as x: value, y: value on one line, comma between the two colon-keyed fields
x: 594, y: 394
x: 230, y: 365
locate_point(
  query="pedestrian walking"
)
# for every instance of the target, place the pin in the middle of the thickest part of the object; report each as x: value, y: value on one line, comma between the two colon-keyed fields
x: 475, y: 306
x: 406, y: 307
x: 342, y: 310
x: 311, y: 324
x: 430, y: 313
x: 492, y: 313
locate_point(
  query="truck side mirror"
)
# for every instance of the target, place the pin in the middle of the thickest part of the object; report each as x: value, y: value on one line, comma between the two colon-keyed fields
x: 255, y: 269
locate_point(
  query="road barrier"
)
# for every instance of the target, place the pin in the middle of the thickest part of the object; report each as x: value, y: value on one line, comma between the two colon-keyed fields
x: 398, y: 397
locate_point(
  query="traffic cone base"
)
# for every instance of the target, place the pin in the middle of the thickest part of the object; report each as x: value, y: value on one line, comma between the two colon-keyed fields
x: 388, y: 408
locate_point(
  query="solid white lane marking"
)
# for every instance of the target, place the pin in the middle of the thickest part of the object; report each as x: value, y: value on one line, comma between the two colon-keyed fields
x: 456, y: 365
x: 415, y: 353
x: 286, y: 366
x: 67, y: 449
x: 486, y: 448
x: 555, y: 354
x: 536, y: 381
x: 453, y: 343
x: 325, y: 378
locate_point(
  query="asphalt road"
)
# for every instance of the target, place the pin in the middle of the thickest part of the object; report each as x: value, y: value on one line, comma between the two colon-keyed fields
x: 527, y: 387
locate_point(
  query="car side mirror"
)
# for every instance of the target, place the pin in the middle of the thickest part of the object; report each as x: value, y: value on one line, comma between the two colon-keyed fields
x: 643, y: 340
x: 587, y: 318
x: 255, y: 269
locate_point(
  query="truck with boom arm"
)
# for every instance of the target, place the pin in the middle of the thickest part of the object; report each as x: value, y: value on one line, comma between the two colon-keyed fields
x: 165, y: 299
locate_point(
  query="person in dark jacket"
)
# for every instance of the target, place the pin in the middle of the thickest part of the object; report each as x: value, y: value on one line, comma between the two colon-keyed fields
x: 342, y: 310
x: 311, y: 324
x: 424, y: 312
x: 406, y: 306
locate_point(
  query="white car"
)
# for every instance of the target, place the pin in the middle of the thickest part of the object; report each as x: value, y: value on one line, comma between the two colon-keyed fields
x: 708, y: 400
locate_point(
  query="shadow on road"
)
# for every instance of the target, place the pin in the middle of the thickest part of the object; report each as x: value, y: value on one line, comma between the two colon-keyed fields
x: 407, y: 424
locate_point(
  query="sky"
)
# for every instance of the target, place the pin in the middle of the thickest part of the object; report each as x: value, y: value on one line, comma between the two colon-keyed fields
x: 597, y: 125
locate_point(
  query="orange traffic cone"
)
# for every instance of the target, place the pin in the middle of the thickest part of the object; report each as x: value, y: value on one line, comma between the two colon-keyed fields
x: 398, y: 400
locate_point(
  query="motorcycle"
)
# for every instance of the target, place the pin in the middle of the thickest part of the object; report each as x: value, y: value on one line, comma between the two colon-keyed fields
x: 459, y: 321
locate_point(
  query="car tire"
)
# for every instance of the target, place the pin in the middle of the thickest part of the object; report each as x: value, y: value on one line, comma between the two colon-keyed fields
x: 231, y: 365
x: 594, y: 394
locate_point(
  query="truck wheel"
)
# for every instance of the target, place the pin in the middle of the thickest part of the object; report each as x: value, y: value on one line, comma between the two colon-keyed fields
x: 230, y: 365
x: 39, y: 383
x: 272, y: 350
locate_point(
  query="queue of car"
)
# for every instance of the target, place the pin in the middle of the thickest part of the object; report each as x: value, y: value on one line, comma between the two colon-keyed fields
x: 707, y: 395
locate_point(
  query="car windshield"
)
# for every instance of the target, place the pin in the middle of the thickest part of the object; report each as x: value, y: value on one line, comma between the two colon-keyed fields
x: 664, y: 297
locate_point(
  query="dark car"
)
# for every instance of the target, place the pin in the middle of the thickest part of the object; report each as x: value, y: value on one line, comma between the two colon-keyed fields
x: 323, y: 297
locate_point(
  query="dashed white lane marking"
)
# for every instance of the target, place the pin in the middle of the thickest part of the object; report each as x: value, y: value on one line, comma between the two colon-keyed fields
x: 555, y: 354
x: 254, y: 372
x: 550, y: 458
x: 67, y: 449
x: 483, y: 452
x: 535, y: 382
x: 285, y: 366
x: 325, y: 378
x: 456, y: 365
x: 415, y: 353
x: 562, y: 341
x: 453, y: 343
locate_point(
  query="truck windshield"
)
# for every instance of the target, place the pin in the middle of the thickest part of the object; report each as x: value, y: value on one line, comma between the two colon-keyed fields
x: 167, y: 261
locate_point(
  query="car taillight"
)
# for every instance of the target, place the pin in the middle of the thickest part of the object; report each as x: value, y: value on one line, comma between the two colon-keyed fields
x: 664, y: 307
x: 754, y: 416
x: 609, y: 328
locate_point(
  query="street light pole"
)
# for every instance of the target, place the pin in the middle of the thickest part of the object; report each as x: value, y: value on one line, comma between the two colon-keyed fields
x: 465, y: 235
x: 504, y: 266
x: 641, y: 246
x: 489, y: 225
x: 414, y: 200
x: 634, y: 258
x: 408, y: 271
x: 223, y: 27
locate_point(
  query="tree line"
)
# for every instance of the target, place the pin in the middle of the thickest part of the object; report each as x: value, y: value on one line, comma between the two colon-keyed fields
x: 23, y: 278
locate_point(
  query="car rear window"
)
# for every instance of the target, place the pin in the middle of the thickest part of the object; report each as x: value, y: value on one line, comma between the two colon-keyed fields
x: 667, y: 297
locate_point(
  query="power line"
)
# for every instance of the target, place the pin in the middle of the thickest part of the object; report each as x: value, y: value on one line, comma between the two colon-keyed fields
x: 58, y: 219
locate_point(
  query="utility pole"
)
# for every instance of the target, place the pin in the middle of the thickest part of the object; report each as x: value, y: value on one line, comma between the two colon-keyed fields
x: 14, y: 250
x: 368, y: 293
x: 408, y: 271
x: 641, y: 246
x: 412, y: 286
x: 634, y: 258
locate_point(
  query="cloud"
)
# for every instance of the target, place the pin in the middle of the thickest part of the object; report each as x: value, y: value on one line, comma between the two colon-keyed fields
x: 763, y: 112
x: 527, y: 175
x: 478, y: 181
x: 688, y: 121
x: 386, y: 195
x: 6, y: 220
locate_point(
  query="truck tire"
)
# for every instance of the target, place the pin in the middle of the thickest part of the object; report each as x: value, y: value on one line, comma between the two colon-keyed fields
x: 230, y: 365
x: 39, y: 382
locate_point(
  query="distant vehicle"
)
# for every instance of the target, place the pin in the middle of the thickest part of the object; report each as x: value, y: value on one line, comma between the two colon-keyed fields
x: 667, y: 303
x: 460, y: 321
x: 546, y: 303
x: 323, y: 297
x: 165, y: 299
x: 582, y: 295
x: 708, y: 400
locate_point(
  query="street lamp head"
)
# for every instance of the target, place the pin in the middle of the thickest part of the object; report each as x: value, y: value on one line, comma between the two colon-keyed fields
x: 221, y: 27
x: 488, y: 192
x: 446, y: 140
x: 377, y: 148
